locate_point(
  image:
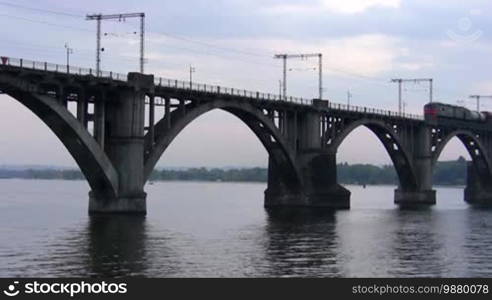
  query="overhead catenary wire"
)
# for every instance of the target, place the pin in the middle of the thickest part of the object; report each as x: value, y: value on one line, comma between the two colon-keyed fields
x: 189, y: 40
x: 60, y: 13
x: 46, y: 23
x: 206, y: 48
x: 174, y: 36
x: 92, y: 31
x: 228, y: 53
x: 209, y: 49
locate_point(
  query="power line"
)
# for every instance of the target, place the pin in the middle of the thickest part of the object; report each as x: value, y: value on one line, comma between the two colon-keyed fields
x: 46, y: 23
x: 284, y: 58
x: 177, y: 37
x: 154, y: 32
x: 210, y: 45
x: 82, y: 53
x: 380, y: 81
x: 87, y: 30
x: 41, y: 10
x: 478, y: 97
x: 222, y: 56
x: 400, y: 82
x: 174, y: 36
x: 119, y: 17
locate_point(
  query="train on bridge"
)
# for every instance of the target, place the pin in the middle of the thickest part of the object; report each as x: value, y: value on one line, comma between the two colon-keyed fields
x: 438, y: 111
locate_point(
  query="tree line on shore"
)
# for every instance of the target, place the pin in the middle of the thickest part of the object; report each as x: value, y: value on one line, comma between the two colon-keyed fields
x: 445, y: 173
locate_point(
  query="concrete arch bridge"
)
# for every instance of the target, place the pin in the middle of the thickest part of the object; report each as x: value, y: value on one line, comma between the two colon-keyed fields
x: 117, y: 149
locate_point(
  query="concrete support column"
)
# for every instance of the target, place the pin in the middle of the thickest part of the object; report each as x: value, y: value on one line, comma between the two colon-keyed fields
x: 100, y: 120
x: 478, y: 189
x: 282, y: 190
x: 319, y: 187
x: 291, y: 128
x: 316, y: 171
x: 182, y: 107
x: 295, y: 131
x: 475, y: 193
x: 285, y: 127
x: 420, y: 192
x: 62, y: 96
x: 281, y: 120
x: 125, y: 148
x: 310, y: 131
x: 152, y: 119
x: 82, y: 109
x: 167, y: 112
x: 320, y: 184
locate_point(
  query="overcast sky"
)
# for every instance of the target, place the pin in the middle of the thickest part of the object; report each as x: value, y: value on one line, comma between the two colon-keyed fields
x: 365, y: 43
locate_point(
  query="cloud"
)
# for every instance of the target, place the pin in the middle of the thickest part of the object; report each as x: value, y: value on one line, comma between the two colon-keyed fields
x: 367, y: 54
x: 483, y: 87
x: 375, y: 56
x: 357, y: 6
x: 415, y: 66
x: 335, y: 6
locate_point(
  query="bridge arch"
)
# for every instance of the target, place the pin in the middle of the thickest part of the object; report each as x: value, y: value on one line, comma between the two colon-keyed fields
x: 89, y: 156
x: 261, y: 125
x: 388, y: 136
x: 475, y: 149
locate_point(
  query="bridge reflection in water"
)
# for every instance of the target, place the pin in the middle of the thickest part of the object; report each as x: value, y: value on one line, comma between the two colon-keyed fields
x: 306, y: 242
x: 116, y: 245
x: 220, y: 229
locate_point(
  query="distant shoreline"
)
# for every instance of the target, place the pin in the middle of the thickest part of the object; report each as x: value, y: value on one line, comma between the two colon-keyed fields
x: 448, y: 173
x: 252, y: 182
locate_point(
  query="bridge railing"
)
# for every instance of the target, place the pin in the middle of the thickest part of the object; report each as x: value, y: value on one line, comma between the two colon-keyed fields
x: 194, y: 86
x: 216, y: 89
x: 375, y: 111
x: 72, y: 70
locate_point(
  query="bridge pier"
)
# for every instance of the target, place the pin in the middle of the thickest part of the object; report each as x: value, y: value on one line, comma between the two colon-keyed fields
x: 315, y: 167
x: 318, y: 167
x: 418, y: 191
x: 475, y: 193
x: 319, y: 187
x: 124, y: 145
x: 406, y: 198
x: 281, y: 191
x: 479, y: 197
x: 128, y: 204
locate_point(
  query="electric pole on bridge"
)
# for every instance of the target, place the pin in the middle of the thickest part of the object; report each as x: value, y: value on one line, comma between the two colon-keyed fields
x: 400, y: 82
x: 478, y: 97
x: 280, y: 88
x: 192, y: 70
x: 284, y: 57
x: 349, y: 97
x: 120, y: 18
x: 69, y: 51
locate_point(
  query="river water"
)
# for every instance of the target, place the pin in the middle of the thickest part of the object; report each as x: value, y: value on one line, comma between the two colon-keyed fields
x: 222, y: 230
